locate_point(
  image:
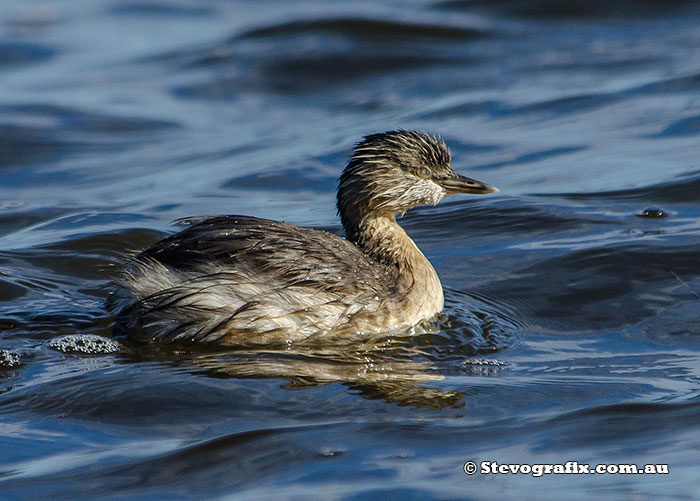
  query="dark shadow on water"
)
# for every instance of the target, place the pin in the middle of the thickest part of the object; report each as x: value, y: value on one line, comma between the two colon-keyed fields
x: 17, y: 54
x: 572, y: 9
x: 367, y: 27
x: 682, y: 190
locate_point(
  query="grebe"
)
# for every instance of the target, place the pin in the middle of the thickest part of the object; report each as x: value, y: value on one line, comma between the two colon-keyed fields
x: 241, y: 280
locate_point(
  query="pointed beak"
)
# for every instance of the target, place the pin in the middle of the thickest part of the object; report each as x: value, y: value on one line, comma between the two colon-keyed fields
x: 461, y: 184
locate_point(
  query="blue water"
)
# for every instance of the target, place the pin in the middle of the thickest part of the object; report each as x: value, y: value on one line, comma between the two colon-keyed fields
x: 572, y: 322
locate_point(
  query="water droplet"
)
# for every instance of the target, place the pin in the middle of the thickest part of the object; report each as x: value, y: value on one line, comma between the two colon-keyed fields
x: 330, y: 452
x: 652, y: 212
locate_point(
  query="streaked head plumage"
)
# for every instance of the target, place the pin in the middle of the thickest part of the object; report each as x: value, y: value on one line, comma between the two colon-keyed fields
x: 394, y: 171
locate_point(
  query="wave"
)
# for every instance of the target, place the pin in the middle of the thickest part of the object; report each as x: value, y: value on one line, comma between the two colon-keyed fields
x: 572, y: 9
x: 684, y: 190
x: 362, y: 28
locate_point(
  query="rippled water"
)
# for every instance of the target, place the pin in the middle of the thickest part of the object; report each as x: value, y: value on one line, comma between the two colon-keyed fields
x: 572, y: 297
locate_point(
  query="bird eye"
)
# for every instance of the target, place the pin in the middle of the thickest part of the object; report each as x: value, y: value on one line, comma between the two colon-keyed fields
x: 424, y: 172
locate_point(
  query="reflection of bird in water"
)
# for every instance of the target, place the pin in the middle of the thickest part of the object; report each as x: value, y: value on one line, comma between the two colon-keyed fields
x: 240, y: 280
x: 379, y: 369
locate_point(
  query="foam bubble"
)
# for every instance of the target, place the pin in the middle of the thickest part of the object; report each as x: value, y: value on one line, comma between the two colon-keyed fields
x: 484, y: 361
x: 88, y: 344
x: 9, y: 359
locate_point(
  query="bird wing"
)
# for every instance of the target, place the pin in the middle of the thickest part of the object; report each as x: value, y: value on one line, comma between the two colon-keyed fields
x: 286, y: 253
x: 233, y: 275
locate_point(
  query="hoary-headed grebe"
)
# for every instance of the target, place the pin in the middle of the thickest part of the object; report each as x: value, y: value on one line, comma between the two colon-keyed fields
x: 240, y: 280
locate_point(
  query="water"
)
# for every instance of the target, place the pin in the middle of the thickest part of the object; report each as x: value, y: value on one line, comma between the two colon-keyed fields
x: 572, y: 316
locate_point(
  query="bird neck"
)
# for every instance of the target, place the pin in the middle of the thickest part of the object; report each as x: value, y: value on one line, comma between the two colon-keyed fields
x: 385, y: 241
x: 382, y: 239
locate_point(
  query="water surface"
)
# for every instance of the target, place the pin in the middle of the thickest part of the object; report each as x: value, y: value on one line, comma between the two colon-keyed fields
x: 572, y: 297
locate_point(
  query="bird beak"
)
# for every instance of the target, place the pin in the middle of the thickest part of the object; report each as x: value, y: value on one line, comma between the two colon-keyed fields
x: 461, y: 184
